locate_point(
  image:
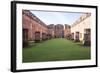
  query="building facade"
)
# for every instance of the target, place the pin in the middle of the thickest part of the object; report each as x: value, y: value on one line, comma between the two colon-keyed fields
x: 33, y: 28
x: 67, y: 31
x: 81, y: 29
x: 59, y: 31
x: 50, y: 31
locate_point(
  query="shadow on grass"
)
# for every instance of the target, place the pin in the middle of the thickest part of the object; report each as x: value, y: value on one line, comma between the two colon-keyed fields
x: 30, y: 45
x: 33, y: 44
x: 81, y: 44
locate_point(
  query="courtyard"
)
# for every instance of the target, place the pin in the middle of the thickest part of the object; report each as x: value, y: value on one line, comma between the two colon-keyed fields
x: 58, y: 49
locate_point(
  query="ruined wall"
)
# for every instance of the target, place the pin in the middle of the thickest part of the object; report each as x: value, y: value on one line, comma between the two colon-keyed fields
x: 84, y: 22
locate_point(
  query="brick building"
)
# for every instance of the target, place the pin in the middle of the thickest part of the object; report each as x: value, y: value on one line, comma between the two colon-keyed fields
x: 59, y: 31
x: 50, y: 31
x: 67, y: 31
x: 33, y: 28
x: 81, y: 29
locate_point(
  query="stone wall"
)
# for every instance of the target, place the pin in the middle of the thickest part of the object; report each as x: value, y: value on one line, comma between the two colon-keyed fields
x: 33, y: 25
x: 84, y: 22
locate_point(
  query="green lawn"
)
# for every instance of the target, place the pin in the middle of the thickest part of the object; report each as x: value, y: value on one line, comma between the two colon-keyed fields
x: 56, y: 50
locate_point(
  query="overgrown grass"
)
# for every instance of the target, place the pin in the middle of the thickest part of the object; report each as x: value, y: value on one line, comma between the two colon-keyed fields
x: 55, y: 50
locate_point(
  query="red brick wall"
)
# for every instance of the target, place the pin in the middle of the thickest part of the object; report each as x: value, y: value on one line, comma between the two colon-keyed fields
x: 32, y: 26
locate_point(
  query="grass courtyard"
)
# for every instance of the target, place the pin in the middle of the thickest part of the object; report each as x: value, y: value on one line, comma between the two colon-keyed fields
x: 55, y: 50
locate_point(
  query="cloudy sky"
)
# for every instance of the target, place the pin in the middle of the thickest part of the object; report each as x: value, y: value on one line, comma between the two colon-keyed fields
x: 57, y: 17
